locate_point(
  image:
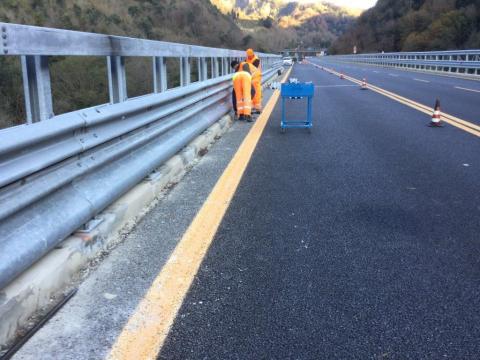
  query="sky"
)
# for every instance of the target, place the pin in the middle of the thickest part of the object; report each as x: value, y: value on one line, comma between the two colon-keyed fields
x: 359, y: 4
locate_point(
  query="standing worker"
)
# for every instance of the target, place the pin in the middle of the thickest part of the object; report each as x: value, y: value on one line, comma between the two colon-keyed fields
x: 256, y: 80
x: 242, y: 91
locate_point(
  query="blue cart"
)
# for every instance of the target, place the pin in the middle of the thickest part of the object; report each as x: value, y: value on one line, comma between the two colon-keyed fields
x: 297, y: 91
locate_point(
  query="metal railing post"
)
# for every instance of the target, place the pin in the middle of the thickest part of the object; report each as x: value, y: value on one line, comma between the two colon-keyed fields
x: 227, y: 65
x: 185, y: 76
x: 117, y: 79
x: 222, y: 67
x: 37, y: 88
x: 202, y: 69
x: 159, y: 74
x: 215, y: 68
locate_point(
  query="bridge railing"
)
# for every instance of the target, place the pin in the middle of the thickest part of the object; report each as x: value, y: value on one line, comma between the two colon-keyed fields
x: 460, y: 62
x: 57, y: 172
x: 36, y: 44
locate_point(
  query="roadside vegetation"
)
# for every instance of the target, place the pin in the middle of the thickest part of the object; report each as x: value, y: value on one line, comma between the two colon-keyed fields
x: 82, y: 82
x: 266, y: 25
x: 414, y: 25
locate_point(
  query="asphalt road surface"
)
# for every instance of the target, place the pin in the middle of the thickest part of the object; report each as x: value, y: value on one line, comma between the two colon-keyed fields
x: 358, y: 240
x: 458, y: 97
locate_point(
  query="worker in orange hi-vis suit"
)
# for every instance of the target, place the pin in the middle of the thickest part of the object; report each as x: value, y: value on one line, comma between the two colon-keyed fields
x: 242, y: 91
x: 256, y: 80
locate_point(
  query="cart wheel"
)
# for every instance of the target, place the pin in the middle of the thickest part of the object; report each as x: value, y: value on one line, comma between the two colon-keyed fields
x: 283, y: 130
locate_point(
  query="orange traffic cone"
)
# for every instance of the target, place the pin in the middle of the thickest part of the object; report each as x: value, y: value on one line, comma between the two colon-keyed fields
x: 364, y: 84
x: 436, y: 116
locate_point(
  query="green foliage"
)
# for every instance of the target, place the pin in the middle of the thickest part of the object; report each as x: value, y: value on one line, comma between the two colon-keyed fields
x: 267, y: 23
x: 78, y: 82
x: 246, y: 40
x: 414, y: 25
x: 11, y: 92
x: 133, y: 11
x: 82, y: 82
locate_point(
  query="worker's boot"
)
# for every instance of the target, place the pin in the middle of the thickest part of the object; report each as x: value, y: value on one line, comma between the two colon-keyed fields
x: 241, y: 118
x: 248, y: 118
x: 256, y: 111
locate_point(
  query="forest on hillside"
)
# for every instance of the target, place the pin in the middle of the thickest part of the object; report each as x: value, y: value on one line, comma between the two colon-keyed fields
x: 414, y: 25
x: 79, y: 82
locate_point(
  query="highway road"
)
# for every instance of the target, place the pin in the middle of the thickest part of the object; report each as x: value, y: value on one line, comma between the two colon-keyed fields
x: 357, y: 241
x: 458, y: 96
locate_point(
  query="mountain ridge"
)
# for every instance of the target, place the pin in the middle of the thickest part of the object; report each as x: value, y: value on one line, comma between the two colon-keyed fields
x: 315, y: 24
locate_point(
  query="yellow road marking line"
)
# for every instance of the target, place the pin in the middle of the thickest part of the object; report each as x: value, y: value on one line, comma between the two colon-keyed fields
x: 450, y: 119
x: 143, y: 336
x: 466, y: 89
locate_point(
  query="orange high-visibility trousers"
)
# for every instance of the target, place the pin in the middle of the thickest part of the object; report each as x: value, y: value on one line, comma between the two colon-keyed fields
x: 257, y: 99
x: 242, y: 84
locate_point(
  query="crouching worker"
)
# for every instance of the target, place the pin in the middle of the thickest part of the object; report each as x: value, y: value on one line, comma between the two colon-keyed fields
x: 242, y: 91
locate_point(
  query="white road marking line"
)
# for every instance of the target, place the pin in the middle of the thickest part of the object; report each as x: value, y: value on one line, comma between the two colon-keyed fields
x: 394, y: 75
x: 376, y: 72
x: 467, y: 89
x: 421, y: 80
x: 328, y: 86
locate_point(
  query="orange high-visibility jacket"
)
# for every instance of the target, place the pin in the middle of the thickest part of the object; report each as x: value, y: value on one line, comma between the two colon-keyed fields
x: 253, y: 70
x: 257, y: 77
x: 254, y: 64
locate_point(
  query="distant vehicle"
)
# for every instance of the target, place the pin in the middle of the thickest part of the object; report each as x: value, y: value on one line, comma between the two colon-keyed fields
x: 287, y: 61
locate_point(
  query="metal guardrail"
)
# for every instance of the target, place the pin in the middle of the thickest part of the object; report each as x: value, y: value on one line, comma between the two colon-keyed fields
x: 59, y: 172
x: 463, y: 62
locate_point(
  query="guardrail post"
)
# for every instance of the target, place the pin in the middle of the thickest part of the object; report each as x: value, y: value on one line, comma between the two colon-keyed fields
x: 159, y: 74
x: 117, y: 79
x: 37, y: 88
x: 215, y: 67
x: 222, y: 66
x: 185, y: 77
x: 202, y: 69
x: 227, y: 66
